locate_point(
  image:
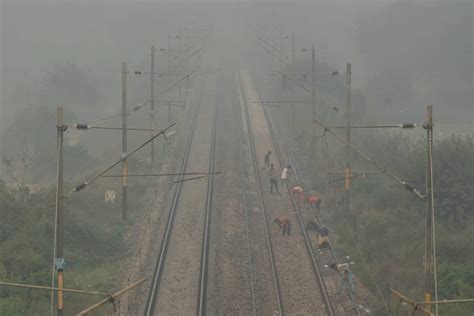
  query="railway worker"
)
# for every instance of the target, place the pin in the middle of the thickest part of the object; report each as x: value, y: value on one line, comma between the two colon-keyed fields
x: 312, y: 225
x: 314, y: 201
x: 284, y: 223
x: 266, y: 160
x: 284, y: 175
x: 323, y: 237
x: 272, y: 176
x: 347, y: 276
x: 298, y: 192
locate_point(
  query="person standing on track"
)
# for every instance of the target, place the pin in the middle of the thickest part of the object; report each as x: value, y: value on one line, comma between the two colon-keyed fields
x: 266, y: 160
x: 272, y: 176
x: 284, y: 223
x: 284, y: 175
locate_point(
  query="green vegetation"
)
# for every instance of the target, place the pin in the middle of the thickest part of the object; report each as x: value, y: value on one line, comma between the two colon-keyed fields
x: 390, y: 220
x: 94, y: 244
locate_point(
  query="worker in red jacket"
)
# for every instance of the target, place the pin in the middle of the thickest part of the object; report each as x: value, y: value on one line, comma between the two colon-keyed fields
x: 314, y: 201
x: 284, y: 223
x: 298, y: 192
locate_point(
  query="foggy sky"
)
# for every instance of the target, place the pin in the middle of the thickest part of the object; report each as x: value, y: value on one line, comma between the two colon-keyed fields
x: 96, y: 36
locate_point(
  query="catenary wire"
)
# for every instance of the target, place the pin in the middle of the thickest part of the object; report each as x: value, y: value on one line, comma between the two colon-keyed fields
x: 393, y: 176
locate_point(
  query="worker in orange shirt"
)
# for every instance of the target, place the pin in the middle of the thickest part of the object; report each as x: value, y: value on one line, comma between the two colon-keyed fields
x: 284, y: 223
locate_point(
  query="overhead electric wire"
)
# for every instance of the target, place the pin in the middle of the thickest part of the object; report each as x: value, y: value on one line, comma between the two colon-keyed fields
x: 393, y: 176
x: 296, y: 82
x: 118, y: 114
x: 177, y: 82
x: 88, y: 126
x: 320, y: 100
x: 274, y: 54
x: 160, y: 174
x: 105, y: 118
x: 186, y: 93
x: 284, y: 59
x: 353, y: 236
x: 288, y: 76
x: 188, y: 179
x: 86, y: 183
x: 404, y: 126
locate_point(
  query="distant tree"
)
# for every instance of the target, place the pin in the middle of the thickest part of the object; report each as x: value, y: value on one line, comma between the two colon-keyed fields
x: 69, y: 85
x: 15, y: 166
x: 32, y: 134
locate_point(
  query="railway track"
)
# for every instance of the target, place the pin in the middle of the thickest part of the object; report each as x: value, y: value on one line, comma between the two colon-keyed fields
x: 328, y: 257
x: 177, y: 273
x: 232, y: 283
x: 325, y: 259
x: 204, y: 266
x: 278, y: 281
x: 266, y: 288
x: 289, y: 294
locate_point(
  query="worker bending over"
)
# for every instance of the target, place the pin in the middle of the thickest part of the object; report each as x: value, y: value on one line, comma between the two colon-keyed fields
x: 323, y: 237
x: 284, y: 223
x: 346, y: 276
x: 298, y: 192
x: 314, y: 201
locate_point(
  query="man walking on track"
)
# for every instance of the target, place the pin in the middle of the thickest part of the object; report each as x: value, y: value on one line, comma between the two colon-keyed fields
x: 284, y: 175
x: 273, y: 179
x: 266, y: 160
x: 284, y: 223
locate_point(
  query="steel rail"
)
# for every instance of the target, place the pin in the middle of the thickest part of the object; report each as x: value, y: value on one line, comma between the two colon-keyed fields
x: 294, y: 163
x: 160, y: 263
x: 260, y: 194
x: 204, y: 266
x: 243, y: 132
x: 247, y: 233
x: 322, y: 284
x: 300, y: 179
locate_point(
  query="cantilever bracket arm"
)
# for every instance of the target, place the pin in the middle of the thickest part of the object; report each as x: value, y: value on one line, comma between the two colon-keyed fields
x: 111, y: 298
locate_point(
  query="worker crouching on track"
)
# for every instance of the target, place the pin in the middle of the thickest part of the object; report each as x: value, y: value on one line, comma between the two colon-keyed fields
x: 346, y: 276
x: 323, y: 237
x: 312, y: 225
x: 284, y: 223
x: 298, y: 192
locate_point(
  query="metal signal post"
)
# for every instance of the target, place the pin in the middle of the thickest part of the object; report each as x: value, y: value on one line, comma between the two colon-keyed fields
x: 430, y: 259
x: 347, y: 187
x: 152, y: 100
x: 59, y: 258
x: 124, y: 141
